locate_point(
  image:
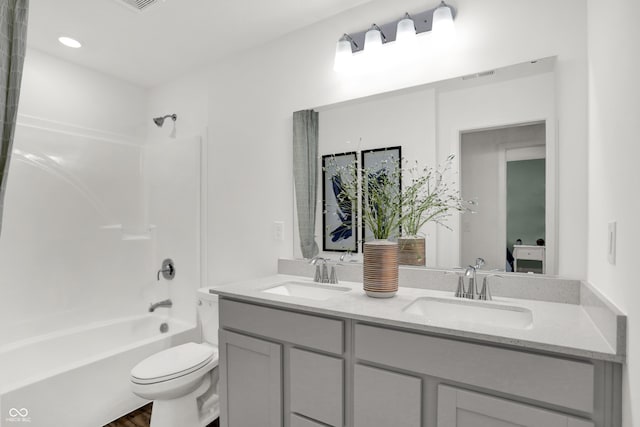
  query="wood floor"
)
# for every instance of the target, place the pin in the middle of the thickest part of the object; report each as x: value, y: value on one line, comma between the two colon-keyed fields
x: 141, y: 418
x: 138, y: 418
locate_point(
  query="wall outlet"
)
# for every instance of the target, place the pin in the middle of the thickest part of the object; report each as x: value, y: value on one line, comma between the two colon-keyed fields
x: 611, y: 241
x: 278, y: 231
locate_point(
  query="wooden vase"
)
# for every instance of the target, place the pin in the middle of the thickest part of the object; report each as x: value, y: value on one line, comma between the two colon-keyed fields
x: 411, y: 251
x: 380, y: 268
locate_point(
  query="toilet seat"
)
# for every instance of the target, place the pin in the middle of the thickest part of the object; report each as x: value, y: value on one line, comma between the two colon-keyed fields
x: 174, y: 363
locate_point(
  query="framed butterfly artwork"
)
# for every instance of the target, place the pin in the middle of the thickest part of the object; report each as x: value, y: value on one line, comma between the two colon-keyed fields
x: 339, y: 228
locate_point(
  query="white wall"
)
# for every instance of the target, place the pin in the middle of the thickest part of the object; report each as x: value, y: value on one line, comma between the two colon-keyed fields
x: 252, y: 97
x: 56, y: 90
x: 187, y: 97
x: 614, y: 108
x: 76, y: 169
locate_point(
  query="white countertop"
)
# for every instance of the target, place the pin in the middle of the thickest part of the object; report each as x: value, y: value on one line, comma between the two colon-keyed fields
x: 560, y: 328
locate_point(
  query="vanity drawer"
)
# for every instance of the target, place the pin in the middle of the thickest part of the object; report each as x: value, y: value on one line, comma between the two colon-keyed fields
x: 303, y: 329
x: 316, y: 384
x: 547, y: 379
x: 535, y: 253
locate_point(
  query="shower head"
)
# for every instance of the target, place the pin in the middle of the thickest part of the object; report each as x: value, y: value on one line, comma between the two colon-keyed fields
x: 159, y: 121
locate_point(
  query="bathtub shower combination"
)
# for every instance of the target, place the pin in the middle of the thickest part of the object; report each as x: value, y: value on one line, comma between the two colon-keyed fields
x: 74, y: 327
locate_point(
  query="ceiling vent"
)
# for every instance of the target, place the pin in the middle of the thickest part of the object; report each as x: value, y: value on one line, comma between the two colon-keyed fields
x: 476, y: 75
x: 139, y: 5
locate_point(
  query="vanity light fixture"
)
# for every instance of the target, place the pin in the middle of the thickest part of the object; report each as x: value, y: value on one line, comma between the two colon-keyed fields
x: 69, y: 42
x: 439, y: 20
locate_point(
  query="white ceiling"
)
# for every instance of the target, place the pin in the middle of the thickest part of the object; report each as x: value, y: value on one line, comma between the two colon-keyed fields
x: 170, y: 37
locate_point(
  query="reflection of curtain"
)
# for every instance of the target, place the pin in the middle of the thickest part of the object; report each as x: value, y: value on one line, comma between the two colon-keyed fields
x: 13, y: 37
x: 305, y: 172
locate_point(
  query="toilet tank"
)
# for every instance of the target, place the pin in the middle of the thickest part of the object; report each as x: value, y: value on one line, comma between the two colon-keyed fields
x: 208, y: 318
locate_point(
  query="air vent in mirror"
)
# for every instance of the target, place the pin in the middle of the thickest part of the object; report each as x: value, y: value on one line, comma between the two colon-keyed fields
x: 138, y: 5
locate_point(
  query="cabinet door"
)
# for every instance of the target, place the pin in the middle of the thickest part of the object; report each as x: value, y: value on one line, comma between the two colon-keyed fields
x: 385, y: 398
x: 316, y: 386
x: 461, y: 408
x: 250, y: 381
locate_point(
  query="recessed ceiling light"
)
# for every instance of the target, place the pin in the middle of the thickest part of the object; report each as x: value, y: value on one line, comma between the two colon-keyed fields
x: 69, y: 42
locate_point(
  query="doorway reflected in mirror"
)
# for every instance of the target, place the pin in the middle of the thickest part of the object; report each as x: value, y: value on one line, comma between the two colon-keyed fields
x: 504, y: 171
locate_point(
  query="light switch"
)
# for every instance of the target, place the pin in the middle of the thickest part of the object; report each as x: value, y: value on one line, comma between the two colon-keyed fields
x: 612, y: 243
x: 278, y: 231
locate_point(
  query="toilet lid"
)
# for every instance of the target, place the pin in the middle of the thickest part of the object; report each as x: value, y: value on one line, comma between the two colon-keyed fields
x: 173, y: 362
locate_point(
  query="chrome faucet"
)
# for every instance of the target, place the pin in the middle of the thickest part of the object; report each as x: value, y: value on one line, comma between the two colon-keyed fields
x: 470, y: 272
x: 322, y: 271
x: 485, y: 292
x: 166, y: 303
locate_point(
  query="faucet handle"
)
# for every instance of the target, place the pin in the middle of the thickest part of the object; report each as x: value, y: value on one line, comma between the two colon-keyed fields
x: 460, y: 290
x: 347, y: 254
x: 322, y: 273
x: 168, y: 270
x: 325, y: 272
x: 334, y: 275
x: 472, y: 291
x: 485, y: 292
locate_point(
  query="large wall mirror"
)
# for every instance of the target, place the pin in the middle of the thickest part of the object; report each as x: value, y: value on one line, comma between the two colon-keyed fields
x: 500, y: 125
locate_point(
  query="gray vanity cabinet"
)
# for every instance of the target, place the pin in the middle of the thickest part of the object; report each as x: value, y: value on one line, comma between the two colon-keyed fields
x: 290, y: 365
x: 250, y: 381
x: 461, y: 408
x: 281, y: 367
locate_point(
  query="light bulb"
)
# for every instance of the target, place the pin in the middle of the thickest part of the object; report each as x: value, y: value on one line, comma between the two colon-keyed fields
x: 69, y: 42
x: 406, y: 31
x: 443, y: 27
x: 372, y: 40
x: 343, y: 56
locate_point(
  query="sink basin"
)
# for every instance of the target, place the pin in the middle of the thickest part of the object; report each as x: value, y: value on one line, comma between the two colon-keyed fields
x: 312, y: 291
x: 471, y: 312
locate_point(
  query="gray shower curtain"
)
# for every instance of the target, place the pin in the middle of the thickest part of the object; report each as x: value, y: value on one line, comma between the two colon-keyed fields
x: 13, y: 40
x: 305, y: 172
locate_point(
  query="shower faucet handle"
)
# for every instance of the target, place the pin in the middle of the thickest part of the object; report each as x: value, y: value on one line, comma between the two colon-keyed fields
x: 168, y: 270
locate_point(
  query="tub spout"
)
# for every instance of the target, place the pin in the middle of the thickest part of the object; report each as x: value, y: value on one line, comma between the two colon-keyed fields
x: 165, y: 303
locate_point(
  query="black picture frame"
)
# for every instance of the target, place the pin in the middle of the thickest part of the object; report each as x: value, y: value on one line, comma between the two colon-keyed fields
x: 373, y: 159
x: 339, y: 218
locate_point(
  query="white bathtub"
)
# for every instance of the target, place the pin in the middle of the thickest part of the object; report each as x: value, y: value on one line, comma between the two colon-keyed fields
x: 80, y: 376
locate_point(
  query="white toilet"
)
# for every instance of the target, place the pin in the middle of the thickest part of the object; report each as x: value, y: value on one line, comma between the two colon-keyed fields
x: 182, y: 381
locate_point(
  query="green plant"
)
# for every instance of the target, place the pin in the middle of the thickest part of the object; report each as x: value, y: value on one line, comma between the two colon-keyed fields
x: 380, y: 211
x: 428, y: 196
